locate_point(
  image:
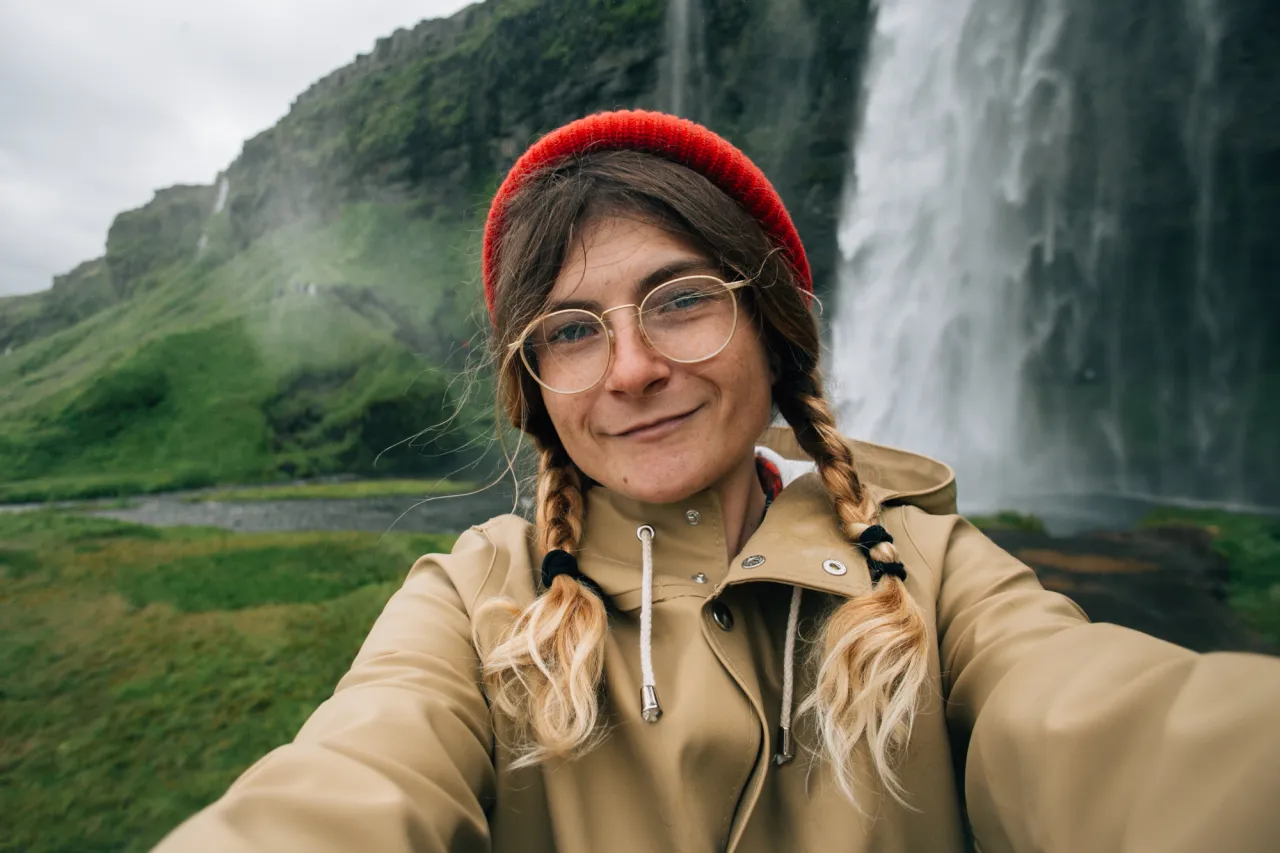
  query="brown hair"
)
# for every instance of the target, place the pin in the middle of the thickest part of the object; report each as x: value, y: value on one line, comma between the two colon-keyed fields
x: 546, y: 672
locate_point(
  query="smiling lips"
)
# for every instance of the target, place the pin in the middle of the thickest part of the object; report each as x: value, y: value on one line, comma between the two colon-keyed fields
x: 658, y: 428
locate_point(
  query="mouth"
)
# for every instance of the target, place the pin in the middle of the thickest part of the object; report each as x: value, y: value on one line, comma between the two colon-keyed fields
x: 657, y: 428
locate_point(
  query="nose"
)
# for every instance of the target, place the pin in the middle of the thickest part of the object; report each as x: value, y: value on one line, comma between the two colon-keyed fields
x: 636, y: 370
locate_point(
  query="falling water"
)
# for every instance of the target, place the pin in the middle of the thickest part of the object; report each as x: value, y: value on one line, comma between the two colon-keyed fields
x: 682, y: 83
x: 1006, y: 300
x: 1214, y: 333
x: 959, y: 170
x: 224, y: 187
x: 219, y: 204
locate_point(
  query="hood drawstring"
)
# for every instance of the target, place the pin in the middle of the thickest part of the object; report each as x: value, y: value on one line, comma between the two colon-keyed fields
x: 784, y: 753
x: 650, y: 709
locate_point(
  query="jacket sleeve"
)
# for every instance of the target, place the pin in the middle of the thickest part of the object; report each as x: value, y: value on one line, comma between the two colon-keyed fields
x: 399, y: 759
x: 1096, y: 737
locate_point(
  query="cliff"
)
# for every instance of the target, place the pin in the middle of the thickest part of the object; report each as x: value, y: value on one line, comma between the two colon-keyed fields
x: 269, y: 324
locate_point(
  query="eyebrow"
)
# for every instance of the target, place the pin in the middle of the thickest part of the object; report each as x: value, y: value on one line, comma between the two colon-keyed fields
x: 660, y: 275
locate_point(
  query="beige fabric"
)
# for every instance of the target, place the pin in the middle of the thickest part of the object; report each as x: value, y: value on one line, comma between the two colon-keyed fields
x: 1067, y: 736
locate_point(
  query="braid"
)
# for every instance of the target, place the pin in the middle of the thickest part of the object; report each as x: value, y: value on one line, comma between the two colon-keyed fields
x: 560, y: 507
x: 545, y: 674
x: 872, y: 662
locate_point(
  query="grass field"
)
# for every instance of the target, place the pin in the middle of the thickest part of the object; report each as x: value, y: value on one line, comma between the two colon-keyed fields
x: 1251, y: 545
x: 141, y: 670
x: 1009, y: 520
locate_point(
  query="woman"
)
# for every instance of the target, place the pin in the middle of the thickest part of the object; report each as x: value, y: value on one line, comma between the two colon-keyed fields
x: 709, y: 642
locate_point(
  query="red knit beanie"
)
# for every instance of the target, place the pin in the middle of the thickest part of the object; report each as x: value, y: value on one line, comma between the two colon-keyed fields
x: 675, y: 139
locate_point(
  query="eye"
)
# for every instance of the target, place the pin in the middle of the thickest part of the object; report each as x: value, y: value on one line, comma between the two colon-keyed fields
x: 571, y: 332
x: 685, y: 298
x: 688, y: 299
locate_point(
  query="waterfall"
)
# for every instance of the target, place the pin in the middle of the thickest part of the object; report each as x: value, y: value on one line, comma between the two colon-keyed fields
x: 1044, y: 278
x: 1213, y: 331
x: 960, y: 164
x: 683, y: 73
x: 219, y: 204
x: 224, y: 187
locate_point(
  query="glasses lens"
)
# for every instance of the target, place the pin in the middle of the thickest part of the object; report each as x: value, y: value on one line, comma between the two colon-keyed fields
x: 567, y: 351
x: 690, y: 319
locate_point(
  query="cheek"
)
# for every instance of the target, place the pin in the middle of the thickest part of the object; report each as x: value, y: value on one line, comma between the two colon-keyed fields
x: 752, y: 378
x: 569, y: 416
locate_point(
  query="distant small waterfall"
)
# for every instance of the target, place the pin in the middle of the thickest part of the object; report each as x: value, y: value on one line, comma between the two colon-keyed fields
x: 219, y: 204
x: 224, y: 187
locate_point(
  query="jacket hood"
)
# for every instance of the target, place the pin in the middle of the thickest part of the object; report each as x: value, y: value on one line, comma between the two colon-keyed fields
x: 895, y: 477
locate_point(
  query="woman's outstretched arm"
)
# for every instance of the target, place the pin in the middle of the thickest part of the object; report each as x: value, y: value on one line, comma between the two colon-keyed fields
x: 399, y: 759
x: 1096, y: 737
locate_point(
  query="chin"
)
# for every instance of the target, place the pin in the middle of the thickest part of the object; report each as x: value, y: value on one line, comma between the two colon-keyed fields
x: 656, y: 484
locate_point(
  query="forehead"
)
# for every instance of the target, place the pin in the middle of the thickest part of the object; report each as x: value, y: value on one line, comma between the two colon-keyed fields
x: 608, y: 260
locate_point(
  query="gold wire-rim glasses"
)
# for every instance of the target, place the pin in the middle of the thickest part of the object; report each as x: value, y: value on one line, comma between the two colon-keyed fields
x: 519, y: 344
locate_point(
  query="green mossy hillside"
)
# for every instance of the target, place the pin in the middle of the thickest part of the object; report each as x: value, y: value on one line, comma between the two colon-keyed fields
x: 317, y: 304
x: 312, y: 352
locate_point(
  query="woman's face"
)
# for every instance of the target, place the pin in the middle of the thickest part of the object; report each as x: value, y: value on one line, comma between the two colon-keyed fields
x: 652, y: 429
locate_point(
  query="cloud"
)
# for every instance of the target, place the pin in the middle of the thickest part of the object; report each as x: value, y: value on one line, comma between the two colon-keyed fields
x: 103, y: 103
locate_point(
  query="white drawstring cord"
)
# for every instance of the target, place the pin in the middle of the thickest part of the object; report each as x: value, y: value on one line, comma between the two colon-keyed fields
x: 650, y: 709
x: 785, y: 753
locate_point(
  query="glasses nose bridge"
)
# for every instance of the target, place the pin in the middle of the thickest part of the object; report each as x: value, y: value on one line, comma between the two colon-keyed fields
x: 604, y: 315
x: 611, y: 329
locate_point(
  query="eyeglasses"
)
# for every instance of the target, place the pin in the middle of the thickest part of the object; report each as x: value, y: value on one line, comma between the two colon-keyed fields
x: 686, y: 320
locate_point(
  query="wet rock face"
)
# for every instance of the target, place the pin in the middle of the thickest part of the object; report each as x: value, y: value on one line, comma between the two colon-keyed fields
x: 162, y: 232
x: 75, y: 296
x: 1174, y: 168
x: 436, y: 114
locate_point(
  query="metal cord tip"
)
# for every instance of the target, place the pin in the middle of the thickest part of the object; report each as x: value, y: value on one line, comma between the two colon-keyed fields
x: 784, y: 753
x: 650, y: 709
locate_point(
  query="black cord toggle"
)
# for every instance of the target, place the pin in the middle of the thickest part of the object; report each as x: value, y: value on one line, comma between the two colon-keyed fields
x: 560, y: 562
x: 873, y: 536
x: 870, y: 538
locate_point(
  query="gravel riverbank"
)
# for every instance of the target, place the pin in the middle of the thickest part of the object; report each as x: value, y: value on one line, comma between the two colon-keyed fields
x: 379, y: 515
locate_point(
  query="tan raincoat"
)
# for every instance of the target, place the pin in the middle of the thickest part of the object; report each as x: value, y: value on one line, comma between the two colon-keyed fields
x: 1059, y: 734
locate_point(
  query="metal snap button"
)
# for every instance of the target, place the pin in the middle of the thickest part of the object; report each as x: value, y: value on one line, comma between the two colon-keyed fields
x: 693, y: 516
x: 752, y: 562
x: 699, y: 578
x: 834, y: 567
x: 723, y: 615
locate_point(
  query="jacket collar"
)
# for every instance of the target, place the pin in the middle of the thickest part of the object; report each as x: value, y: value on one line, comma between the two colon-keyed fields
x: 798, y: 544
x: 894, y: 476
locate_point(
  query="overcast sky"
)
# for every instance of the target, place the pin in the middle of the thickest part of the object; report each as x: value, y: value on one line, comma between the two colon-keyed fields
x: 104, y: 101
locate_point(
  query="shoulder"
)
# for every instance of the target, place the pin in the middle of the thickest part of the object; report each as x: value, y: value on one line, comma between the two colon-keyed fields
x: 489, y: 560
x: 926, y: 534
x: 943, y: 542
x: 946, y: 548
